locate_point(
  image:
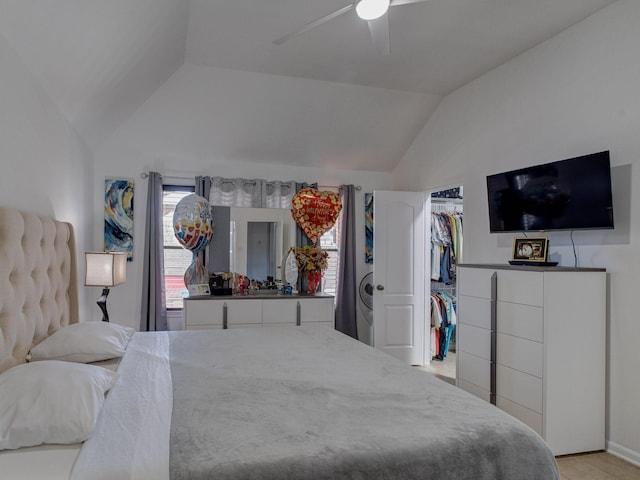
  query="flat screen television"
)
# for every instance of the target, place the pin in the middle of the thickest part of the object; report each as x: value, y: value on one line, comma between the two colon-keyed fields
x: 568, y: 194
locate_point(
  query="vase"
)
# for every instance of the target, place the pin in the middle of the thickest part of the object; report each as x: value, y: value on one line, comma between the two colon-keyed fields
x: 310, y: 282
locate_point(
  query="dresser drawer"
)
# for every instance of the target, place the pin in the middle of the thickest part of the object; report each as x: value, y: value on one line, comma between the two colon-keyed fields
x: 474, y: 311
x: 474, y: 340
x: 474, y: 389
x: 475, y: 282
x: 474, y: 370
x: 520, y: 354
x: 203, y: 327
x: 525, y: 415
x: 519, y: 387
x: 523, y: 321
x: 517, y: 286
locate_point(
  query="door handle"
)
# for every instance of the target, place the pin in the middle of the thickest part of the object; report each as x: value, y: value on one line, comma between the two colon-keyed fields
x: 379, y: 287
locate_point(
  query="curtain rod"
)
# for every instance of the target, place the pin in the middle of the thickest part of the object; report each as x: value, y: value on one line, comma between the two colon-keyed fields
x: 146, y: 175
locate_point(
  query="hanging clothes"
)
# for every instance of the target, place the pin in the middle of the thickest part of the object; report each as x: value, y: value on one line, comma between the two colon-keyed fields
x: 443, y: 323
x: 446, y: 245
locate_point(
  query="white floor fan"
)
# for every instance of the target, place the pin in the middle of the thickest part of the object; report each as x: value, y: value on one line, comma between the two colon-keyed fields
x: 374, y: 12
x: 366, y: 296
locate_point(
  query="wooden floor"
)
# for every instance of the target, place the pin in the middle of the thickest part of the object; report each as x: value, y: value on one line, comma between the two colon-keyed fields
x: 589, y: 466
x: 596, y: 466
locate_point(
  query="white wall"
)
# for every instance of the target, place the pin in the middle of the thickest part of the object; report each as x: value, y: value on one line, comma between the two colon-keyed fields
x: 575, y: 94
x: 46, y: 168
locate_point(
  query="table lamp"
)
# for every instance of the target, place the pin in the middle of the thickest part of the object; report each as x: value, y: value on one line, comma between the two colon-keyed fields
x: 105, y: 269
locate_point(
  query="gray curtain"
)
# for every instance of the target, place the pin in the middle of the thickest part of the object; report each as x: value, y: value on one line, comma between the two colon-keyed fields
x: 153, y: 315
x: 347, y: 290
x: 203, y: 187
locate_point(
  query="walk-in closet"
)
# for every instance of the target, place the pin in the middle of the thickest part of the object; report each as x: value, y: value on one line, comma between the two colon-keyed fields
x: 445, y: 253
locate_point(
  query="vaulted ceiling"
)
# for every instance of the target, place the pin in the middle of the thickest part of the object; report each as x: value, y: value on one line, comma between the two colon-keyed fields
x: 112, y: 65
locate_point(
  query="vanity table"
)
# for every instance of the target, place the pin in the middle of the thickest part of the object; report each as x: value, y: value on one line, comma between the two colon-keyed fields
x: 238, y: 311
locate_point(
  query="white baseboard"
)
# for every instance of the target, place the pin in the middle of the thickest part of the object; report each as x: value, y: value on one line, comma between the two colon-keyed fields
x: 624, y: 453
x: 175, y: 320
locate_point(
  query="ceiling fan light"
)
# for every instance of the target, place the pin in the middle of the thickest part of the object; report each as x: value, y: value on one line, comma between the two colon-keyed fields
x: 371, y: 9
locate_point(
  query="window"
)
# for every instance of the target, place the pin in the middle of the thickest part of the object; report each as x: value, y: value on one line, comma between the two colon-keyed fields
x: 330, y: 241
x: 176, y: 258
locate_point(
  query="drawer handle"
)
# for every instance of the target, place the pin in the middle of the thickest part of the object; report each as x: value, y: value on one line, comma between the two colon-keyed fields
x: 379, y: 287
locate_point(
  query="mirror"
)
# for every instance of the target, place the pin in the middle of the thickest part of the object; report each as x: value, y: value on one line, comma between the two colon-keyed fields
x: 262, y: 248
x: 251, y: 241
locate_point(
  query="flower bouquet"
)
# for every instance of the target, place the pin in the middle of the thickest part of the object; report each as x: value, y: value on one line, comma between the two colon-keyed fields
x: 311, y: 261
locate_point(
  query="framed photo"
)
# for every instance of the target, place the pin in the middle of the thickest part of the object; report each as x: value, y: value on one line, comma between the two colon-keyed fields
x: 198, y: 289
x: 530, y: 249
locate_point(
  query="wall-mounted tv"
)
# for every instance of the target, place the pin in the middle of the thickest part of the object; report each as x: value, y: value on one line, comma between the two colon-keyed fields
x: 564, y: 195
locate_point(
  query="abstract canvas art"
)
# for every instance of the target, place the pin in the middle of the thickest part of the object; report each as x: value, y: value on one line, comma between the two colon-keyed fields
x: 368, y: 227
x: 118, y: 216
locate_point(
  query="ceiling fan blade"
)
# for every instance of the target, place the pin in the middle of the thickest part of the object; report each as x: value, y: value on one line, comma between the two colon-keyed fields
x: 405, y: 2
x: 379, y: 30
x: 315, y: 23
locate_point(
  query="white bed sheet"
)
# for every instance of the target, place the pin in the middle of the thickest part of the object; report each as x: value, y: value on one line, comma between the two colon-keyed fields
x: 53, y: 462
x: 141, y: 422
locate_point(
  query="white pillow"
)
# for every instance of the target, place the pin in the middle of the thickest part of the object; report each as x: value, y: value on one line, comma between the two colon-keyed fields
x: 84, y: 342
x: 51, y: 402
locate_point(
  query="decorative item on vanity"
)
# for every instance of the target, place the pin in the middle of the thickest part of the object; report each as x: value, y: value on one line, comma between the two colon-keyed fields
x: 289, y: 271
x: 311, y: 262
x: 105, y: 269
x: 193, y: 227
x: 315, y: 212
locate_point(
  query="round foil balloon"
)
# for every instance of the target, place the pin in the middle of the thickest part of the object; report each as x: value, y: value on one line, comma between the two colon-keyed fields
x: 193, y: 223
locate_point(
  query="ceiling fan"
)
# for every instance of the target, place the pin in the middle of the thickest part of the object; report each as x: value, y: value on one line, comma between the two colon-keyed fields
x: 373, y: 11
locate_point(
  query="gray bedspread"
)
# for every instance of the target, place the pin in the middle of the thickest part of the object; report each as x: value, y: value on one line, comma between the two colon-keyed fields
x: 311, y: 403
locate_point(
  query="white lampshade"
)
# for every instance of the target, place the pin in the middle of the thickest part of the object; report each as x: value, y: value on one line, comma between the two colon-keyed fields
x: 105, y: 269
x: 371, y: 9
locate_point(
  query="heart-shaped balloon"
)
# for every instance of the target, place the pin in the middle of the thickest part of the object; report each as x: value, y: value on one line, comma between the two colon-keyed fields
x: 315, y: 211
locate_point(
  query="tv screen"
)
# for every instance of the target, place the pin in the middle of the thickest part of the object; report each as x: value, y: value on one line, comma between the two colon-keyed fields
x: 564, y: 195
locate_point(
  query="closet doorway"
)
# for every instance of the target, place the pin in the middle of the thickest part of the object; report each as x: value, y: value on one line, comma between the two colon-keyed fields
x: 445, y: 252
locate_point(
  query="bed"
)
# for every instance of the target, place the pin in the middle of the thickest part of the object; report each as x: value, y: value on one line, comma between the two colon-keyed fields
x: 272, y: 403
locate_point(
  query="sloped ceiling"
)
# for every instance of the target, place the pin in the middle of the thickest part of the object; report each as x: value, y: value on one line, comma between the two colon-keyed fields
x: 209, y: 70
x: 98, y: 59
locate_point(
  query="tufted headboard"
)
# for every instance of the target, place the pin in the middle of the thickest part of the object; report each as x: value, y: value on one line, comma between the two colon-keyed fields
x: 38, y: 281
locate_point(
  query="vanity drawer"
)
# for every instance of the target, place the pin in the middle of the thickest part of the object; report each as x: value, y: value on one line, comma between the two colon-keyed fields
x: 279, y: 312
x: 244, y: 311
x: 202, y: 313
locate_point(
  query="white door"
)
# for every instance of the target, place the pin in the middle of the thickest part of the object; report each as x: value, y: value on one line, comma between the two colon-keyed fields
x: 399, y: 248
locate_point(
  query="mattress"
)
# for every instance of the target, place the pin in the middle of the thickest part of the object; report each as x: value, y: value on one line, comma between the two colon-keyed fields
x: 294, y: 403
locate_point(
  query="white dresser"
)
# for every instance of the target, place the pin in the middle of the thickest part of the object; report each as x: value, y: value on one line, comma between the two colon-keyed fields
x: 258, y: 311
x: 532, y: 341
